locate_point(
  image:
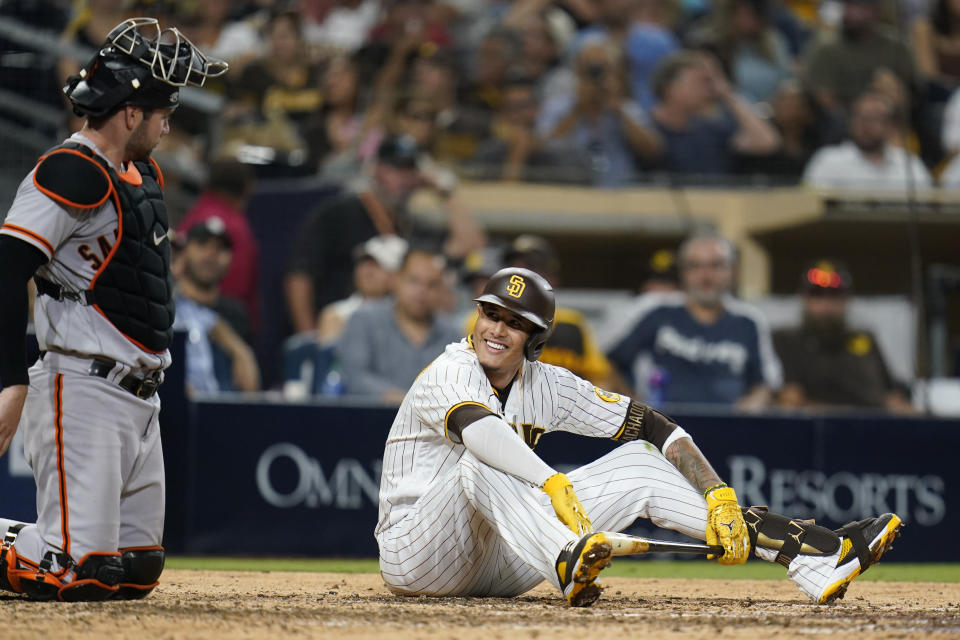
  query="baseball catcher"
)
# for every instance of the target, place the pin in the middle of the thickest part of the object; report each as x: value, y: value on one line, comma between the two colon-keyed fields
x: 467, y: 507
x: 89, y: 225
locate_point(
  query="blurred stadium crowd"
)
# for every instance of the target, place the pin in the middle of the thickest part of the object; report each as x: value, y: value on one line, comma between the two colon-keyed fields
x: 381, y: 98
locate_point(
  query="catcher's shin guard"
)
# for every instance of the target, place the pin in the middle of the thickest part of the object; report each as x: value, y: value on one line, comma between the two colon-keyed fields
x: 142, y: 567
x: 790, y: 537
x: 22, y: 576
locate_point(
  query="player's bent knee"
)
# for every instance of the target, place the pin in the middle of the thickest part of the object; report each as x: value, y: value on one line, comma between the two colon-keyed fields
x: 96, y: 577
x: 142, y: 567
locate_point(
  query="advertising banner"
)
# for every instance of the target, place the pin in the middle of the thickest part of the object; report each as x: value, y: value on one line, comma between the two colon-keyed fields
x: 302, y: 480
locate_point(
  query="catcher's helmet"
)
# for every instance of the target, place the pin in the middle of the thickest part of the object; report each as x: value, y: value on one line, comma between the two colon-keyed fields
x: 528, y: 295
x: 142, y: 65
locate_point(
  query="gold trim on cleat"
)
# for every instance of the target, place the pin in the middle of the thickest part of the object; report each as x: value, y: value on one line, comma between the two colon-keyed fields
x: 594, y: 558
x: 837, y: 590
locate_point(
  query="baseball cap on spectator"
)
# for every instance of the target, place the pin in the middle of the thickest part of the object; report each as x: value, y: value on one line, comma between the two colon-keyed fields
x: 212, y: 227
x: 826, y: 278
x: 535, y: 253
x: 387, y: 251
x: 482, y: 263
x: 401, y: 152
x: 431, y: 53
x: 662, y: 268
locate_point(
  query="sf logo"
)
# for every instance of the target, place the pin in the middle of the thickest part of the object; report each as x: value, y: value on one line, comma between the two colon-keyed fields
x: 516, y: 286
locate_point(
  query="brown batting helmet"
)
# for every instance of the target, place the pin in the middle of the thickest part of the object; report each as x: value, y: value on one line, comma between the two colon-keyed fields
x: 528, y: 295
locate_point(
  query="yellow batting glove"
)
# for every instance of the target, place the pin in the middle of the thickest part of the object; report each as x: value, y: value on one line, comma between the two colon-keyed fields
x: 725, y: 525
x: 566, y: 504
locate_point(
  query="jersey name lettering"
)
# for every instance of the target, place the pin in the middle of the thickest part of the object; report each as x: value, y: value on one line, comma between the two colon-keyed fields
x: 529, y: 433
x: 96, y: 261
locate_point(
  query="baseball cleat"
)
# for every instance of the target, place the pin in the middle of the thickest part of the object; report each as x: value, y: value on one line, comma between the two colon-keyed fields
x: 578, y: 566
x: 862, y: 544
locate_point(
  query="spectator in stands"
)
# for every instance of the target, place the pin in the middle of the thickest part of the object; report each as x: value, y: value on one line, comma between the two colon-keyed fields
x: 936, y: 42
x: 661, y: 273
x: 840, y: 69
x: 649, y: 40
x: 217, y: 357
x: 423, y: 20
x: 387, y: 343
x: 284, y: 83
x: 612, y: 22
x: 826, y: 363
x: 699, y: 345
x: 740, y: 33
x: 514, y: 151
x: 230, y: 184
x: 345, y: 27
x: 490, y: 61
x: 320, y: 269
x: 599, y: 121
x: 88, y: 29
x: 336, y: 130
x: 868, y: 160
x: 206, y: 24
x: 802, y: 127
x: 458, y: 128
x: 375, y: 265
x: 572, y: 344
x: 703, y: 122
x: 540, y: 50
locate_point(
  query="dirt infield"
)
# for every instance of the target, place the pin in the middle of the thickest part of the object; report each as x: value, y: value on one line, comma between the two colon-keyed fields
x: 240, y: 605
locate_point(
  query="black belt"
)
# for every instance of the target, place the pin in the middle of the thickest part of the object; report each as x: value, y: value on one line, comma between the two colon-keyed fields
x: 143, y: 387
x: 57, y: 292
x: 140, y: 387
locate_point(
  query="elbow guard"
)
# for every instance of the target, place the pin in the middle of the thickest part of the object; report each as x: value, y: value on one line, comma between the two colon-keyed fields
x: 642, y: 422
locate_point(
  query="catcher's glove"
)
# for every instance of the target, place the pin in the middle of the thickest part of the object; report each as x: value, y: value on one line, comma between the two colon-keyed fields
x: 566, y: 504
x: 725, y: 525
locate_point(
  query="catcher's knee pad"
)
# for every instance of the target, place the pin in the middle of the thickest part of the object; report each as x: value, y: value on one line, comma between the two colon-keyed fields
x: 95, y: 577
x: 790, y: 537
x: 142, y: 567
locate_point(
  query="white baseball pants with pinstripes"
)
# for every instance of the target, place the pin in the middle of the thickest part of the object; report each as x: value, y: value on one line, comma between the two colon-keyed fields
x: 481, y: 532
x: 95, y: 453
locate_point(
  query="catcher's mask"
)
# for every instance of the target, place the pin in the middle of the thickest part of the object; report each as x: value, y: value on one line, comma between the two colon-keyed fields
x: 141, y: 65
x: 528, y: 295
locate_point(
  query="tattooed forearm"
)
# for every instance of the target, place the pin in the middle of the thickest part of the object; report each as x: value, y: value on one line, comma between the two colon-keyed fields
x: 686, y: 457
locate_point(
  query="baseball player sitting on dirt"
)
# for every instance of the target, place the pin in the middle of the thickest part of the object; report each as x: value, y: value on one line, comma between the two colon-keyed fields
x: 89, y: 225
x: 468, y: 509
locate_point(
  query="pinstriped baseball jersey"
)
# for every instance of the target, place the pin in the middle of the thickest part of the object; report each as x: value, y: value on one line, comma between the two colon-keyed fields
x: 541, y: 399
x: 76, y: 243
x: 452, y: 525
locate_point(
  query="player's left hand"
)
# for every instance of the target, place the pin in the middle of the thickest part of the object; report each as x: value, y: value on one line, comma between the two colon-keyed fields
x: 566, y: 504
x: 725, y: 525
x: 11, y: 406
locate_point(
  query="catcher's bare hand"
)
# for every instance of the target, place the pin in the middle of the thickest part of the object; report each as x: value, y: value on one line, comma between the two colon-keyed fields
x: 725, y: 525
x: 11, y: 406
x: 566, y: 504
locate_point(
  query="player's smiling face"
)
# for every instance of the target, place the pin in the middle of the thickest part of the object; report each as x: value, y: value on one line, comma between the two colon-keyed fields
x: 498, y: 340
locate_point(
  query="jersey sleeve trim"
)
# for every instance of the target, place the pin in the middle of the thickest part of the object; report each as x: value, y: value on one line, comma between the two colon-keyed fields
x: 460, y: 416
x: 62, y: 178
x: 29, y: 236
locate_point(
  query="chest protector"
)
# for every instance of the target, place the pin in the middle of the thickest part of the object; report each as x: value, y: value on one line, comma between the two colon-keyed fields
x: 133, y: 287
